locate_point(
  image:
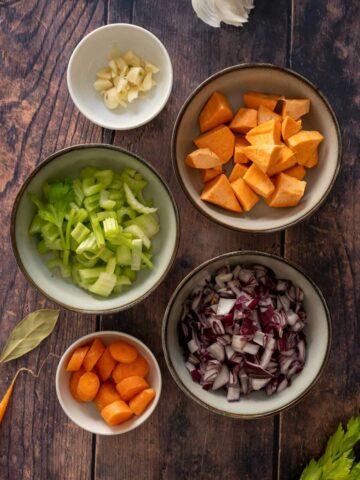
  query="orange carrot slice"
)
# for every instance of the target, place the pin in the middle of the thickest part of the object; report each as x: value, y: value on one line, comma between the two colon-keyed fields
x: 141, y: 401
x: 95, y: 351
x: 123, y: 352
x: 131, y: 386
x: 116, y: 413
x: 107, y: 394
x: 88, y: 386
x: 105, y: 365
x: 77, y: 358
x: 138, y: 368
x: 74, y: 381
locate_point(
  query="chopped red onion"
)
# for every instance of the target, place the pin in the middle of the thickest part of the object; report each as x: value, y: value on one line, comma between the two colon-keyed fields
x: 222, y: 378
x: 217, y: 351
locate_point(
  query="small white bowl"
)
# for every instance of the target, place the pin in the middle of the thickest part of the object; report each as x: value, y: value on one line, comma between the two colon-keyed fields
x: 257, y: 404
x: 91, y: 54
x: 86, y: 415
x: 234, y: 82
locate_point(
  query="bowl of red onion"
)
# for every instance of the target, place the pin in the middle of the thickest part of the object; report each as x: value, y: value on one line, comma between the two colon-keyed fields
x: 246, y: 334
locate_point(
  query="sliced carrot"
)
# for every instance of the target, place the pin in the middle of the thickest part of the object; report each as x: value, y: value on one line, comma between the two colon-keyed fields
x: 220, y: 140
x: 107, y: 394
x: 131, y: 386
x: 239, y: 155
x: 259, y: 181
x: 255, y: 99
x: 216, y: 111
x: 264, y: 156
x: 237, y: 172
x: 297, y: 171
x: 105, y: 365
x: 288, y: 191
x: 289, y: 127
x: 244, y: 120
x: 123, y: 352
x: 203, y: 158
x: 94, y: 353
x: 268, y: 133
x: 140, y: 402
x: 265, y: 114
x: 6, y: 398
x: 73, y: 383
x: 210, y: 173
x: 77, y: 358
x: 88, y: 386
x: 246, y: 196
x: 295, y: 108
x: 219, y: 192
x: 285, y: 160
x: 138, y: 368
x: 116, y: 413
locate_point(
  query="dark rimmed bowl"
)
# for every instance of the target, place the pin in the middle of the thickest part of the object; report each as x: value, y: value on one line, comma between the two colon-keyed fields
x: 33, y: 265
x: 234, y: 82
x: 318, y: 333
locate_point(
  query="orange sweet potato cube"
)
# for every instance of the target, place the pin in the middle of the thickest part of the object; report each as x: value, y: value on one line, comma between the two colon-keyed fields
x: 203, y: 158
x: 267, y: 133
x: 289, y: 127
x: 238, y: 171
x: 264, y: 156
x: 288, y: 191
x: 239, y: 155
x: 255, y: 99
x: 259, y: 181
x: 216, y: 111
x: 286, y: 159
x: 265, y: 114
x: 244, y: 120
x: 219, y: 192
x: 220, y: 140
x: 246, y: 196
x: 297, y: 171
x: 210, y: 173
x: 295, y: 108
x: 305, y: 141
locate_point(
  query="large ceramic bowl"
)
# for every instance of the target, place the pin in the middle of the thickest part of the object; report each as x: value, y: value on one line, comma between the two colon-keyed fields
x: 258, y: 404
x: 234, y: 82
x: 69, y: 162
x: 85, y: 415
x: 91, y: 54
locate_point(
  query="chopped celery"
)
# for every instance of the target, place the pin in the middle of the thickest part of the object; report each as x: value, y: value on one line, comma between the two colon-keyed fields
x: 105, y: 255
x: 88, y: 172
x: 86, y: 262
x: 88, y: 245
x: 111, y: 227
x: 65, y: 270
x: 41, y: 247
x: 116, y: 194
x: 123, y: 280
x: 80, y: 232
x: 81, y: 215
x: 105, y: 177
x: 54, y: 245
x: 136, y: 254
x: 105, y: 202
x: 90, y: 187
x: 111, y: 265
x: 138, y: 233
x: 149, y: 224
x: 92, y: 203
x: 104, y: 285
x: 100, y: 240
x: 49, y: 232
x: 125, y: 212
x: 123, y: 255
x: 129, y: 273
x: 90, y: 273
x: 108, y: 214
x: 36, y: 224
x: 78, y: 190
x: 134, y: 203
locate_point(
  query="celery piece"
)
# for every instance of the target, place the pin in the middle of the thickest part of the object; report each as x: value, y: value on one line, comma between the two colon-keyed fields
x: 111, y: 227
x: 36, y: 224
x: 104, y: 284
x: 65, y: 270
x: 130, y: 171
x: 92, y: 203
x: 134, y: 203
x: 130, y: 274
x: 123, y: 280
x: 90, y: 273
x: 109, y: 214
x: 54, y: 245
x: 135, y: 254
x: 75, y: 275
x: 105, y: 255
x: 80, y: 232
x: 117, y: 183
x: 49, y: 232
x: 149, y: 224
x: 79, y: 193
x: 88, y: 245
x: 88, y: 172
x: 117, y: 289
x: 97, y: 230
x: 42, y: 247
x: 135, y: 185
x: 86, y: 262
x: 105, y: 177
x: 123, y: 255
x: 68, y: 237
x: 125, y: 212
x: 138, y: 233
x: 73, y: 244
x: 90, y: 187
x: 116, y: 194
x: 122, y: 239
x: 81, y: 215
x: 111, y: 265
x: 105, y: 203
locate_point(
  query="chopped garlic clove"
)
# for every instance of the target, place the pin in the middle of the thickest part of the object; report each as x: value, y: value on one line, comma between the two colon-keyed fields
x: 147, y: 83
x: 135, y: 75
x: 133, y: 93
x: 101, y: 84
x: 104, y: 73
x: 111, y: 98
x: 149, y: 67
x: 121, y: 84
x: 113, y: 66
x: 131, y: 59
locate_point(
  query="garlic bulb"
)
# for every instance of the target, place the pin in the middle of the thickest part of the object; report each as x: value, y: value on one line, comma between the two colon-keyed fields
x: 232, y: 12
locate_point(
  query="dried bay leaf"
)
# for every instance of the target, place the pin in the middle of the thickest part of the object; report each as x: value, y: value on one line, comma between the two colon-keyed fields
x: 29, y: 333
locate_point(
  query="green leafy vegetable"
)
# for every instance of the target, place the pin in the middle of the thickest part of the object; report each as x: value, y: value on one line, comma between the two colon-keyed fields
x: 338, y: 461
x: 29, y: 333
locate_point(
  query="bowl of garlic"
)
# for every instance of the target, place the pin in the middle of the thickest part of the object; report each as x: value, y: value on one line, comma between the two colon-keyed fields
x: 120, y: 76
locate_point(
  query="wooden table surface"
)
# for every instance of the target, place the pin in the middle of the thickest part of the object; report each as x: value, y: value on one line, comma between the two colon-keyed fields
x: 319, y: 39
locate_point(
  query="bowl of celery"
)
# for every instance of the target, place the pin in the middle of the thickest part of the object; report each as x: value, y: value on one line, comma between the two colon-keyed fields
x: 95, y: 228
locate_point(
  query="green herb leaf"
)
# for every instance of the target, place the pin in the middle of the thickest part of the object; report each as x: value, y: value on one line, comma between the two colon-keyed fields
x: 29, y: 333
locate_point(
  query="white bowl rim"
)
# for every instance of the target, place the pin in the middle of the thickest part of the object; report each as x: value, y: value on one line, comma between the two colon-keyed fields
x: 121, y: 335
x: 108, y: 125
x: 169, y: 307
x: 243, y: 66
x: 21, y: 192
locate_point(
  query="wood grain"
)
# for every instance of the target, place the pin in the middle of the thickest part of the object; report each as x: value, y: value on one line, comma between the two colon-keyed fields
x: 183, y: 440
x: 325, y: 48
x: 38, y: 117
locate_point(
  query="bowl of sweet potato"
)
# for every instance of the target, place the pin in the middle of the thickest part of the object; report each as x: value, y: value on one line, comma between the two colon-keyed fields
x: 256, y: 148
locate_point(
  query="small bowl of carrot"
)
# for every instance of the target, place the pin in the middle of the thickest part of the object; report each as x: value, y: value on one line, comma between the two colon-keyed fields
x: 108, y: 383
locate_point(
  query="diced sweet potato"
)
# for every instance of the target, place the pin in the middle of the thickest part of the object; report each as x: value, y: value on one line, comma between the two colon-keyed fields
x: 203, y: 158
x: 297, y: 171
x: 210, y: 173
x: 308, y: 159
x: 295, y: 108
x: 216, y: 111
x: 288, y: 191
x: 259, y: 181
x: 265, y: 114
x: 286, y: 159
x: 239, y: 156
x: 237, y: 172
x: 220, y: 140
x: 255, y: 99
x: 264, y: 156
x: 219, y: 192
x: 305, y: 141
x: 268, y: 133
x: 246, y: 196
x: 244, y: 120
x: 289, y: 127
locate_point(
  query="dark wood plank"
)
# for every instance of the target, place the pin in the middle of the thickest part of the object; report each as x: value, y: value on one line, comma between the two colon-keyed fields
x: 326, y: 46
x: 38, y: 117
x: 182, y: 440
